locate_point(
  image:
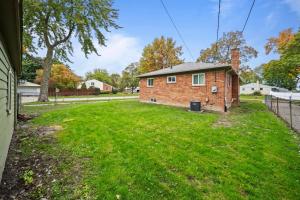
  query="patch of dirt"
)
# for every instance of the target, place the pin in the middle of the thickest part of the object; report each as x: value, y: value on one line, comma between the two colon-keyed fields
x: 49, y: 130
x: 25, y: 117
x: 28, y: 172
x: 223, y: 121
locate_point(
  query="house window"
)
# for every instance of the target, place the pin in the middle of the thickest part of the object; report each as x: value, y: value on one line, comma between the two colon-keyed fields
x: 171, y: 79
x: 150, y: 82
x: 92, y: 83
x: 243, y: 89
x: 198, y: 79
x: 261, y: 88
x: 252, y: 88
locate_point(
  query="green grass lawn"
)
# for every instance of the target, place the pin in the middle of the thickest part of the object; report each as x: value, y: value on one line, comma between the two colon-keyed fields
x: 252, y: 97
x: 146, y: 151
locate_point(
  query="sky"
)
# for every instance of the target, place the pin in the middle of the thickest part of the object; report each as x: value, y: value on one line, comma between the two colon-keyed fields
x: 144, y: 20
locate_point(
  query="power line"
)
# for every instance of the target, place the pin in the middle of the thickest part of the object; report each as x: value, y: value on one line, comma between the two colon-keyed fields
x: 176, y: 28
x: 248, y: 16
x: 218, y: 27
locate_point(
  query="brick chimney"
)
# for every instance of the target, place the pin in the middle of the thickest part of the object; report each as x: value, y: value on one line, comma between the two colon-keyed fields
x: 235, y: 59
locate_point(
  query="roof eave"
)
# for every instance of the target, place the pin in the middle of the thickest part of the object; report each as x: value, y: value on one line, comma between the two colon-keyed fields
x: 182, y: 72
x: 11, y: 31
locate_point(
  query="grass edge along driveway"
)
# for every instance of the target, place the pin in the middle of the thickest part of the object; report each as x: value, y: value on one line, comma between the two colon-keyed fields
x: 131, y: 150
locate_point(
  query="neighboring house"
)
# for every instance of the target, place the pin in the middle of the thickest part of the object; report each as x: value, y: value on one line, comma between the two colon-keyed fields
x: 26, y: 88
x: 216, y: 86
x: 97, y: 84
x: 10, y: 67
x: 250, y: 88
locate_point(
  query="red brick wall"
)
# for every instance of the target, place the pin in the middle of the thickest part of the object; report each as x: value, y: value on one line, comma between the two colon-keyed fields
x: 182, y: 92
x: 235, y: 59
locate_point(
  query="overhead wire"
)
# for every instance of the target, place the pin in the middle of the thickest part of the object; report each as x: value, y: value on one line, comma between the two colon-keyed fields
x: 218, y: 27
x: 248, y: 16
x: 177, y: 29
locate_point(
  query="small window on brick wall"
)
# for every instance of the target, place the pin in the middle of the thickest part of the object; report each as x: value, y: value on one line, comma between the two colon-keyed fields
x: 198, y: 79
x: 150, y: 82
x: 171, y: 79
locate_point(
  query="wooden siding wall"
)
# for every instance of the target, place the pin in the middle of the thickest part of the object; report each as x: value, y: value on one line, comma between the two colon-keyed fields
x: 7, y: 119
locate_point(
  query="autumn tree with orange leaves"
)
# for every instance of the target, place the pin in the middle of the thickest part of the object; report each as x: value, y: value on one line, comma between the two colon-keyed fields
x: 285, y: 71
x: 280, y: 43
x: 61, y: 77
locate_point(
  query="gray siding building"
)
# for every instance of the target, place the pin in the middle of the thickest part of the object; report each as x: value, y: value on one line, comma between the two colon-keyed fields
x: 10, y: 66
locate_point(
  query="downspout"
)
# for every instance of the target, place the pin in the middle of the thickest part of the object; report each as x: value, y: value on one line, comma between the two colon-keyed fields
x: 225, y: 86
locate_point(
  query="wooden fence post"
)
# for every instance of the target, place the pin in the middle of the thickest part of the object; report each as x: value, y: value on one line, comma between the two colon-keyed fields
x: 271, y: 102
x: 291, y: 119
x: 277, y: 109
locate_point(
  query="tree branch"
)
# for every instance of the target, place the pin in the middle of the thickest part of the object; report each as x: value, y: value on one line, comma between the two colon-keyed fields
x: 66, y: 37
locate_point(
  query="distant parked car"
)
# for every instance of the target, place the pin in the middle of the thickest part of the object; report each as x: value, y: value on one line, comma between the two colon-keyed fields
x: 129, y: 90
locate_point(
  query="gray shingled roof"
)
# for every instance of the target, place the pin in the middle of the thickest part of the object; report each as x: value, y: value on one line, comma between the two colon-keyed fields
x: 28, y: 84
x: 185, y: 67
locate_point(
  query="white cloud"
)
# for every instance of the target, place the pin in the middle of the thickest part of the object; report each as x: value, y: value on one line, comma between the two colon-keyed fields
x: 226, y: 7
x: 271, y: 20
x: 294, y: 5
x: 120, y: 51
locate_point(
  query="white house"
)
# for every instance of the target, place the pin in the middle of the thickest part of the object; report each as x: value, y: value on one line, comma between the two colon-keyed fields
x: 250, y: 88
x: 96, y: 84
x: 28, y: 89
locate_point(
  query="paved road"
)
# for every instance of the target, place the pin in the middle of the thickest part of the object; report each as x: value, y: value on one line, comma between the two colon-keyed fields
x: 284, y: 113
x: 34, y: 99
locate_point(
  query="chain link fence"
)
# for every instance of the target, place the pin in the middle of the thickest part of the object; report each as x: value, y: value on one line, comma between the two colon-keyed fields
x: 286, y: 108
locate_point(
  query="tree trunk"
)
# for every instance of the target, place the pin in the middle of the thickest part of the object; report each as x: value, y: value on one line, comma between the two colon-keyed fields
x: 47, y: 63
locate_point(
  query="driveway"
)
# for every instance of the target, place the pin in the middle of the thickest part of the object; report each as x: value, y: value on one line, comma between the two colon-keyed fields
x: 34, y: 99
x: 29, y: 99
x: 93, y: 98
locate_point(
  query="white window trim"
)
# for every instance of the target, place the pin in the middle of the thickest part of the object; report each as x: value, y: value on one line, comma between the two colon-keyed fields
x: 148, y: 82
x: 171, y: 81
x: 9, y: 92
x: 198, y: 84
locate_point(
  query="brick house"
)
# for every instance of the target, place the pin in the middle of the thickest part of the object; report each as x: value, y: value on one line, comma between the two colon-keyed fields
x: 215, y: 85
